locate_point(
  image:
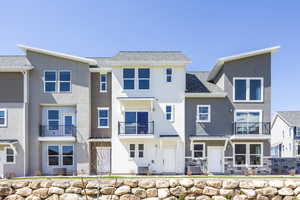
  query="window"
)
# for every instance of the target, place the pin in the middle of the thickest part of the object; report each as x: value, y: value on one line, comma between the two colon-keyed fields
x: 248, y: 154
x: 64, y: 81
x: 60, y: 155
x: 248, y: 89
x: 10, y: 155
x: 203, y: 113
x: 144, y: 78
x: 128, y: 77
x: 103, y: 117
x: 53, y: 119
x: 297, y: 129
x: 169, y: 113
x: 141, y: 150
x: 247, y: 122
x: 50, y: 81
x: 103, y: 82
x: 298, y: 149
x: 169, y: 75
x: 3, y: 117
x: 198, y: 150
x: 53, y: 155
x: 67, y: 155
x: 132, y: 150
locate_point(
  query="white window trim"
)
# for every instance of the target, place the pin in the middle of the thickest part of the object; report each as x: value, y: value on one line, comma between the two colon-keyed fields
x: 204, y: 150
x: 103, y: 108
x: 248, y: 154
x: 198, y: 113
x: 44, y: 81
x: 59, y: 123
x: 172, y: 112
x: 5, y: 118
x: 60, y: 155
x: 138, y: 79
x: 259, y: 111
x: 134, y: 79
x: 297, y: 135
x: 248, y: 89
x: 136, y: 150
x: 59, y: 81
x: 167, y: 75
x: 14, y: 155
x: 132, y: 158
x: 101, y: 82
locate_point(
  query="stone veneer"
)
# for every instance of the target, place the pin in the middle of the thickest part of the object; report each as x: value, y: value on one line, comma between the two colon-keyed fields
x: 151, y: 189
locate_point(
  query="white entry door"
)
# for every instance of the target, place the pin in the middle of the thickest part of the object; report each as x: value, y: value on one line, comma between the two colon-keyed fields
x: 169, y: 159
x: 103, y: 160
x: 215, y: 159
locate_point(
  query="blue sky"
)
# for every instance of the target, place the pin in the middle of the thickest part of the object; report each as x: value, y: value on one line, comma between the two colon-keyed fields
x: 203, y: 30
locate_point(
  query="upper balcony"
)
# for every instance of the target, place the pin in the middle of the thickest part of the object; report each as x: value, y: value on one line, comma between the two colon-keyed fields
x: 60, y: 132
x: 252, y: 129
x: 136, y: 130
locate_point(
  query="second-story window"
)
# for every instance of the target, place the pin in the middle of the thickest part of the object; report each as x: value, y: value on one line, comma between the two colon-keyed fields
x: 103, y: 82
x: 169, y: 73
x: 297, y: 131
x: 128, y: 78
x: 65, y: 81
x: 169, y: 112
x: 53, y: 120
x: 3, y: 117
x: 50, y: 81
x: 203, y: 113
x: 248, y: 89
x: 144, y: 78
x: 103, y: 117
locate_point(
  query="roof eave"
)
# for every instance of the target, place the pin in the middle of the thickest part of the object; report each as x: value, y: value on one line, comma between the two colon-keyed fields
x: 57, y: 54
x: 15, y: 68
x: 217, y: 67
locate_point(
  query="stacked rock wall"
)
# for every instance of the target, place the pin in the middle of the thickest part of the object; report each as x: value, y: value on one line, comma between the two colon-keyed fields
x: 150, y: 189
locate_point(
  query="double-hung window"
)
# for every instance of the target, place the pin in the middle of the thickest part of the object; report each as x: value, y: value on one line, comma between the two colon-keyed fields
x: 248, y: 154
x: 141, y: 150
x: 64, y: 81
x: 67, y: 155
x: 203, y: 113
x: 3, y: 117
x: 296, y: 129
x: 169, y: 73
x: 50, y: 81
x: 128, y: 78
x: 57, y: 81
x: 248, y: 89
x: 132, y: 150
x: 198, y: 150
x: 10, y: 155
x: 53, y: 120
x: 103, y: 82
x: 103, y: 117
x: 144, y: 78
x: 169, y: 112
x: 53, y: 155
x: 136, y: 150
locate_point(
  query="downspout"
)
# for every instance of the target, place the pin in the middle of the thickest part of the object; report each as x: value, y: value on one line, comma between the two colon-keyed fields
x: 25, y: 119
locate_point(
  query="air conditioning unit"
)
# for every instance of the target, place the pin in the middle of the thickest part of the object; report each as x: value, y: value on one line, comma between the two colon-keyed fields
x: 142, y: 170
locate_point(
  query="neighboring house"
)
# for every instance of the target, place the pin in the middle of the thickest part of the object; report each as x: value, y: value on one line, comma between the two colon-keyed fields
x: 228, y: 114
x: 286, y: 134
x: 134, y: 112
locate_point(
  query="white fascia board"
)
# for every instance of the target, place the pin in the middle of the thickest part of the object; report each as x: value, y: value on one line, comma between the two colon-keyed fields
x: 219, y: 64
x: 104, y: 70
x: 149, y: 63
x: 57, y: 54
x: 15, y: 68
x: 206, y: 95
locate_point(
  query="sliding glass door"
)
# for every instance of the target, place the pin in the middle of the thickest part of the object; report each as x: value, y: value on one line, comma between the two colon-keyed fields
x: 136, y: 123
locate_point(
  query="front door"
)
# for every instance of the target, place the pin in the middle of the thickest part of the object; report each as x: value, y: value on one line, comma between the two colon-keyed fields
x: 103, y: 160
x: 169, y: 159
x: 215, y: 159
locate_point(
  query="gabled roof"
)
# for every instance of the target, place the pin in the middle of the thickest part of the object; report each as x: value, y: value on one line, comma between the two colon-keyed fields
x: 57, y: 54
x: 220, y: 62
x: 292, y: 118
x: 150, y: 57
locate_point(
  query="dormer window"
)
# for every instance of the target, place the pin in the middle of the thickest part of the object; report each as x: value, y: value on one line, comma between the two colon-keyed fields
x: 248, y: 89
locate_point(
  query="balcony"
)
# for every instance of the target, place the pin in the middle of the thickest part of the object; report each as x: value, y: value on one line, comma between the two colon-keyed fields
x: 60, y: 132
x: 144, y: 129
x: 252, y: 128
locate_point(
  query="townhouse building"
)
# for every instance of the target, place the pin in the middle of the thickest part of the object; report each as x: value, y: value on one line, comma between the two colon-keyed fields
x: 285, y: 130
x: 135, y: 112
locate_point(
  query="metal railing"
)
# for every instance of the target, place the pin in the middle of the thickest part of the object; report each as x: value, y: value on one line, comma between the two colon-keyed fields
x: 57, y: 131
x: 136, y: 128
x: 250, y: 128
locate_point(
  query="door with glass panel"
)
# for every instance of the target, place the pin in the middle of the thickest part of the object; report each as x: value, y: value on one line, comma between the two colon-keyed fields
x: 248, y: 122
x: 136, y: 123
x: 68, y: 124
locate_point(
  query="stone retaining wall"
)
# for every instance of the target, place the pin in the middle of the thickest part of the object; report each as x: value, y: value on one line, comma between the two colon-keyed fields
x: 150, y: 189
